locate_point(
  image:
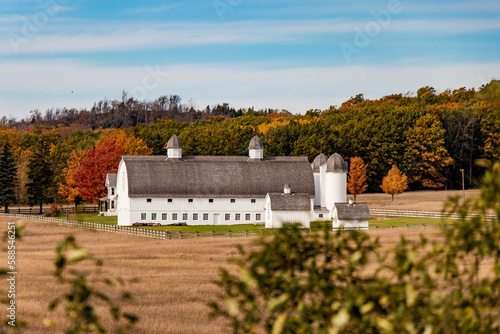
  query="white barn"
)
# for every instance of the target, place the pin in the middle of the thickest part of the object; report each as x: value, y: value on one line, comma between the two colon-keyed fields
x: 225, y: 190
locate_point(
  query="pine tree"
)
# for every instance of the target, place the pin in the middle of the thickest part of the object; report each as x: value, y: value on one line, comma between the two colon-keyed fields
x: 7, y: 177
x: 395, y: 182
x: 358, y: 175
x: 41, y: 177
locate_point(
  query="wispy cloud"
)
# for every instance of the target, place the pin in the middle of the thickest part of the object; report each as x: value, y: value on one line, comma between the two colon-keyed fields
x: 148, y: 10
x: 158, y: 36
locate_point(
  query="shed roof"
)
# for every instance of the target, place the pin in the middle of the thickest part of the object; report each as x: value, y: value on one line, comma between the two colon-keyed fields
x: 290, y: 202
x: 111, y: 180
x: 356, y: 211
x: 216, y: 176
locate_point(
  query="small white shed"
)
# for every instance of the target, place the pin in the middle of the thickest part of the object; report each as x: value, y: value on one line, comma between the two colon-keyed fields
x: 351, y: 215
x: 286, y: 207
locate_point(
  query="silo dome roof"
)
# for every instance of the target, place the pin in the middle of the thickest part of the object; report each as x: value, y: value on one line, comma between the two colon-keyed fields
x: 318, y: 161
x: 336, y: 164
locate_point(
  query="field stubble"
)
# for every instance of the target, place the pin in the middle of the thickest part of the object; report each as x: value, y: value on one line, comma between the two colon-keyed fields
x: 174, y: 277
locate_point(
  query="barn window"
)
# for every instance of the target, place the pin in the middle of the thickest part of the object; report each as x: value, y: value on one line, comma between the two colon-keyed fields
x: 149, y: 200
x: 228, y: 216
x: 112, y: 204
x: 252, y: 200
x: 205, y: 216
x: 210, y: 200
x: 247, y: 216
x: 257, y: 216
x: 169, y: 200
x: 153, y: 216
x: 190, y: 200
x: 143, y: 216
x: 184, y: 216
x: 195, y: 216
x: 320, y: 215
x: 163, y: 216
x: 112, y: 191
x: 233, y: 200
x: 237, y: 216
x: 174, y: 216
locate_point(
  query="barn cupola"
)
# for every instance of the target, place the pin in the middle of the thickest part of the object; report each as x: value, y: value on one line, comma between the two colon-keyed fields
x: 256, y: 148
x: 174, y: 148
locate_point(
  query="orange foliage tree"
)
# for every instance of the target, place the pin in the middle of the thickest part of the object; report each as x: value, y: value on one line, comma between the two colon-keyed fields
x: 358, y: 175
x: 69, y: 192
x: 131, y: 144
x: 90, y: 178
x: 395, y: 182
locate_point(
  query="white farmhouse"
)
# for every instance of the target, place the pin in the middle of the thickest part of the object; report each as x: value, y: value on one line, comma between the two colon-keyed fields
x: 224, y: 190
x: 107, y: 205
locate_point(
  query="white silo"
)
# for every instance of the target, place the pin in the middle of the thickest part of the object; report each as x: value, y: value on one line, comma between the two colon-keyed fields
x: 336, y: 181
x: 319, y: 173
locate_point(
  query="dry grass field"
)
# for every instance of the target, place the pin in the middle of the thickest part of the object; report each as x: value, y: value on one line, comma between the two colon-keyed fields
x: 174, y: 277
x: 428, y: 200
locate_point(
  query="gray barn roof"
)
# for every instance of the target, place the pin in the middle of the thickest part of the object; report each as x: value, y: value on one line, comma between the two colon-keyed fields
x: 216, y: 176
x: 356, y: 211
x: 111, y: 180
x: 290, y: 202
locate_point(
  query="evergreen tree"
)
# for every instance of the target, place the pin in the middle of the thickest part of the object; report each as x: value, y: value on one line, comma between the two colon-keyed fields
x: 41, y: 177
x: 7, y: 177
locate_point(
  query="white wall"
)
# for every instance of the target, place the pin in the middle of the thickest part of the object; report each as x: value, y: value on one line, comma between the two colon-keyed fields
x: 351, y: 224
x: 199, y: 206
x: 278, y: 218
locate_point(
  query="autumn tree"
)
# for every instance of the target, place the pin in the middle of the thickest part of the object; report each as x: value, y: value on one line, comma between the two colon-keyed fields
x: 90, y: 178
x: 130, y: 144
x: 7, y: 177
x: 426, y: 153
x: 358, y: 175
x: 40, y: 186
x: 395, y: 182
x: 68, y: 190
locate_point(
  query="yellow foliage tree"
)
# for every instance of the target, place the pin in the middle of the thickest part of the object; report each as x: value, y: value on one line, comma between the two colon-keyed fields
x: 69, y: 191
x: 395, y: 182
x: 131, y: 144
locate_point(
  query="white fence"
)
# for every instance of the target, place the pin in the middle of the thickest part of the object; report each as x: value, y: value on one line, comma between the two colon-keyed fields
x: 144, y: 232
x: 421, y: 214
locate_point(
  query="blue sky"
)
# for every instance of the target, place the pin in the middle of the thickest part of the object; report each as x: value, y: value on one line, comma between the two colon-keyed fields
x: 294, y: 55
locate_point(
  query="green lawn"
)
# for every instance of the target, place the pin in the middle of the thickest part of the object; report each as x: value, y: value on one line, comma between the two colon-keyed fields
x: 91, y: 218
x: 401, y: 221
x: 112, y: 220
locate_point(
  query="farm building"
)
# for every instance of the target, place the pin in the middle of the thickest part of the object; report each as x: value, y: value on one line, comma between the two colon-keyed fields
x: 224, y: 190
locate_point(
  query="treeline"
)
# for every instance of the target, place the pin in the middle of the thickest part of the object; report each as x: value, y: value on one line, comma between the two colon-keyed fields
x: 124, y: 113
x: 430, y: 137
